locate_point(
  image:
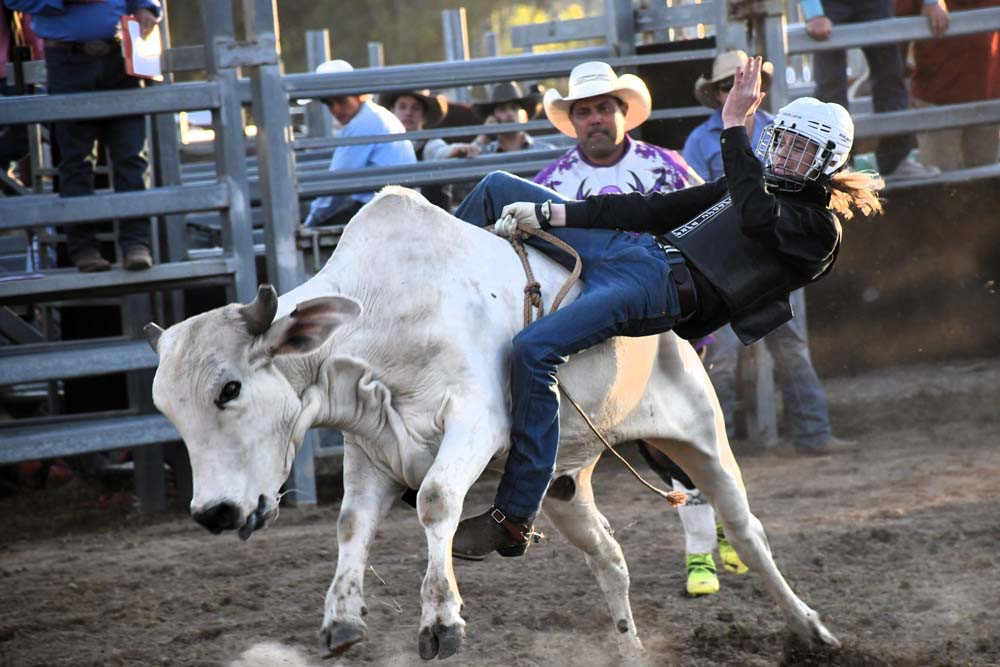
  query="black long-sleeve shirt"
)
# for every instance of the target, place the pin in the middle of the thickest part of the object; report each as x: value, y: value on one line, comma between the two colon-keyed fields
x: 798, y: 226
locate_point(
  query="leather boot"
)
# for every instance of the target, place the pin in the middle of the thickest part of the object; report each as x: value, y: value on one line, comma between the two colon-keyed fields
x: 89, y: 260
x: 490, y: 531
x: 138, y: 258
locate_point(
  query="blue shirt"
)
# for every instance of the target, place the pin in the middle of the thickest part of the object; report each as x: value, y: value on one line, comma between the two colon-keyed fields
x: 370, y: 119
x: 66, y: 22
x: 702, y: 149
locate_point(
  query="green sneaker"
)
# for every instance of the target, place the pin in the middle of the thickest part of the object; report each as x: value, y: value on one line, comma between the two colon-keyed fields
x: 701, y: 575
x: 730, y: 559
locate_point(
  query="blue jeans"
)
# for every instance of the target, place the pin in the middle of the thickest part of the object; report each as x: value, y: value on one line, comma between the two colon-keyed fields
x: 885, y: 62
x: 806, y: 416
x: 627, y: 292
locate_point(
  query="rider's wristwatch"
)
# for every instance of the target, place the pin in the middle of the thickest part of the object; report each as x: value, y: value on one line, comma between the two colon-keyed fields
x: 543, y: 212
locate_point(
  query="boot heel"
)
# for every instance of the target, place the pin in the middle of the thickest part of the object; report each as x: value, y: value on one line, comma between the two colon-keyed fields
x: 513, y: 552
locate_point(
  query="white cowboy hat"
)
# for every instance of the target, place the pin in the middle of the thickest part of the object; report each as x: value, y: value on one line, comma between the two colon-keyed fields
x: 593, y: 79
x: 333, y: 67
x: 724, y: 67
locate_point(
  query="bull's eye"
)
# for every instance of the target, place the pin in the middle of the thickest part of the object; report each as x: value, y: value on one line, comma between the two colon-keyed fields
x: 230, y: 392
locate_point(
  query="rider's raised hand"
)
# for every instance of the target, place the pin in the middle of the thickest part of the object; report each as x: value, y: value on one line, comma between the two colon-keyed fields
x: 746, y: 94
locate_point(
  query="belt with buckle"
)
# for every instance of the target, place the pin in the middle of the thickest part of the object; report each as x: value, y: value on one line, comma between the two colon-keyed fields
x: 687, y: 294
x: 94, y: 47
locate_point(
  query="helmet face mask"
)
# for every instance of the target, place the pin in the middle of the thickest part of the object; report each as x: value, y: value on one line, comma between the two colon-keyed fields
x: 808, y: 141
x: 792, y: 159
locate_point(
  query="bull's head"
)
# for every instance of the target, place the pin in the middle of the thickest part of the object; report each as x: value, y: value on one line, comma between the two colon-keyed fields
x: 234, y: 384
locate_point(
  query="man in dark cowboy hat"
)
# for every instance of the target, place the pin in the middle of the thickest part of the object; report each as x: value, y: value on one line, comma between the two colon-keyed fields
x: 420, y: 110
x: 508, y: 104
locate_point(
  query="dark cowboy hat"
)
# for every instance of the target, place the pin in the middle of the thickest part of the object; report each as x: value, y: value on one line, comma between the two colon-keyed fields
x: 724, y: 67
x: 508, y: 92
x: 435, y: 106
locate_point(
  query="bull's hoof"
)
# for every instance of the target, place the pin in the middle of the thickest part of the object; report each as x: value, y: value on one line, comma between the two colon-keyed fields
x: 440, y: 641
x: 342, y: 635
x: 812, y: 635
x: 824, y: 637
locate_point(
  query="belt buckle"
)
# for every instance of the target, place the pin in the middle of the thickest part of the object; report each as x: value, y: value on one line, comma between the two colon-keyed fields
x: 96, y: 48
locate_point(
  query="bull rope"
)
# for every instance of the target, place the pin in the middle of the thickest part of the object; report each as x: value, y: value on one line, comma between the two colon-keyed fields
x: 533, y: 300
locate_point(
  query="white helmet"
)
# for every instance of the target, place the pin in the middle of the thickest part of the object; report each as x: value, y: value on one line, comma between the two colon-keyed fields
x: 826, y: 125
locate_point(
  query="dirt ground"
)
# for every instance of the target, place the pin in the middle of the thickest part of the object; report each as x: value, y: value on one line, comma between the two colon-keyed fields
x: 897, y: 546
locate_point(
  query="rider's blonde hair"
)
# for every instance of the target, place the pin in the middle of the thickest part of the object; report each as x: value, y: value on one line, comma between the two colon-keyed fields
x: 855, y: 192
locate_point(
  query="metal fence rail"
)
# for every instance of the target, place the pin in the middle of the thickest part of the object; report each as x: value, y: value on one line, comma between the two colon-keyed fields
x: 899, y: 29
x: 80, y: 106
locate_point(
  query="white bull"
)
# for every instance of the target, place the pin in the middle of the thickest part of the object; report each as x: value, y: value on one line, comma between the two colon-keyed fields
x: 401, y: 341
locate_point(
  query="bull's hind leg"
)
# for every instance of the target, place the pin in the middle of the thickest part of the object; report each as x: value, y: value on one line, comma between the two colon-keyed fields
x: 569, y: 504
x: 718, y: 478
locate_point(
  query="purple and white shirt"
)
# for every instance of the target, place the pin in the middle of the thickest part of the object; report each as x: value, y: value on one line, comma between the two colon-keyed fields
x: 642, y: 168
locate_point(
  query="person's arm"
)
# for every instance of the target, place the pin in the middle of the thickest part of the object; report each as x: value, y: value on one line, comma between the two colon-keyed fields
x: 937, y: 15
x: 439, y: 149
x: 41, y: 7
x: 656, y: 213
x: 744, y: 172
x: 818, y: 26
x: 152, y: 6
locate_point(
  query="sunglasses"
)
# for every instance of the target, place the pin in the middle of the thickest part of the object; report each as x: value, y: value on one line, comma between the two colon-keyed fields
x: 725, y: 86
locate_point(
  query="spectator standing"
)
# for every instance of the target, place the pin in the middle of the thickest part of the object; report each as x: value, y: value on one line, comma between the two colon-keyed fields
x: 885, y: 64
x: 358, y: 116
x: 951, y: 70
x: 508, y: 104
x: 419, y: 110
x: 599, y: 110
x: 807, y: 418
x: 83, y: 54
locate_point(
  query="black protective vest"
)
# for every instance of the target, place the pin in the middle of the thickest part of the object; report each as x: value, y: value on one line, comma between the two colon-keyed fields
x: 750, y: 277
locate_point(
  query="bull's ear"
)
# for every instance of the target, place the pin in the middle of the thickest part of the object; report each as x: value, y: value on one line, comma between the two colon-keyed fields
x: 259, y: 314
x: 153, y: 333
x: 310, y: 325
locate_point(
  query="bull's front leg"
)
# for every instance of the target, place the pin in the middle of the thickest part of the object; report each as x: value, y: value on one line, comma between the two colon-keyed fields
x: 466, y: 449
x: 368, y: 495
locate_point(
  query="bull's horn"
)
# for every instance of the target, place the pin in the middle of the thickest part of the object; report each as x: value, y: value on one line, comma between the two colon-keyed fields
x: 259, y: 314
x: 153, y: 333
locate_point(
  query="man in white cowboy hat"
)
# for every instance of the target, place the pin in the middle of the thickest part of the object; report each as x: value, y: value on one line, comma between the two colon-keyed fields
x: 807, y: 418
x: 508, y: 104
x: 357, y: 115
x: 702, y: 149
x: 598, y: 111
x: 420, y: 110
